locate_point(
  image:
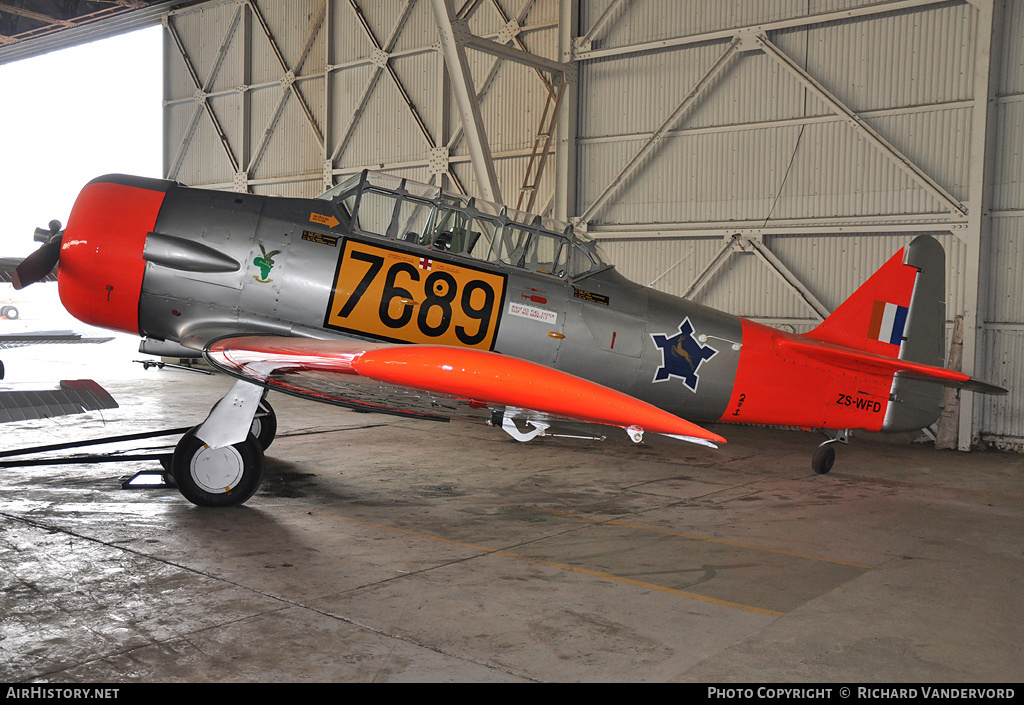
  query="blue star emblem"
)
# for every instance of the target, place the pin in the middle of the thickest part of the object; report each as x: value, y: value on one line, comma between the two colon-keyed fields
x: 681, y: 355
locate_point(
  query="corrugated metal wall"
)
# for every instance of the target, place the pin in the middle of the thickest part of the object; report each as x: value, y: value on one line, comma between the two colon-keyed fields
x: 830, y: 134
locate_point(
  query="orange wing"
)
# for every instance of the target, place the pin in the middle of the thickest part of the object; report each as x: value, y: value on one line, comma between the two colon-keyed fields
x: 439, y: 382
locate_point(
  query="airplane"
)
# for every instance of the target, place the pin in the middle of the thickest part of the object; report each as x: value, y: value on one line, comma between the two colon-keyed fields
x: 388, y: 295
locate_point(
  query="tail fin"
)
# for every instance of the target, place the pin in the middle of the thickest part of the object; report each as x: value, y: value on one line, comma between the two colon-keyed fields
x: 899, y: 312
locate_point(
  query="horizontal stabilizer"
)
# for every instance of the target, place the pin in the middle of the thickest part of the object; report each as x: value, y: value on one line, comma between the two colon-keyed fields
x: 872, y: 363
x: 976, y: 385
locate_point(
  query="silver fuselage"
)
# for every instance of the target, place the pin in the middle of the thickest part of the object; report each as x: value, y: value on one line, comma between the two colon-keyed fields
x: 597, y: 325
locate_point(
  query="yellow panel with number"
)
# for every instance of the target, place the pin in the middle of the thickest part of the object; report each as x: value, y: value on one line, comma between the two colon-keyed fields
x: 398, y: 296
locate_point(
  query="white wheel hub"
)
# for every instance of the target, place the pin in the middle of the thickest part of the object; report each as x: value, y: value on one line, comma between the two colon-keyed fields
x: 217, y: 470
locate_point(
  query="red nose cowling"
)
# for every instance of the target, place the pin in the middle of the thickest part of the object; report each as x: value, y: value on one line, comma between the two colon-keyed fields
x: 99, y: 275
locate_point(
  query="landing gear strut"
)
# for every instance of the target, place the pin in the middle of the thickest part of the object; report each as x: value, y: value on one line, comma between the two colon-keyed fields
x: 825, y: 456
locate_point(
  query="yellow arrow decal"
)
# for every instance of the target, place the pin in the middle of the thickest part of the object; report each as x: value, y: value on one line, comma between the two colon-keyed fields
x: 329, y: 220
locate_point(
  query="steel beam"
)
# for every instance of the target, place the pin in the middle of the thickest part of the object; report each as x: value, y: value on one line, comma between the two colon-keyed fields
x: 493, y: 71
x: 468, y: 9
x: 44, y: 18
x: 245, y: 113
x: 787, y: 276
x: 391, y: 69
x: 586, y: 41
x: 747, y: 243
x: 568, y: 117
x: 713, y: 266
x: 503, y: 51
x: 327, y: 166
x: 793, y: 121
x: 287, y: 82
x: 465, y: 95
x: 808, y: 226
x: 987, y: 43
x: 514, y: 38
x: 875, y: 8
x: 121, y: 17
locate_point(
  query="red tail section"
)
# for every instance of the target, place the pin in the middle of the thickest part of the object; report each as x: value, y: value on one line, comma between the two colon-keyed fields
x: 875, y: 363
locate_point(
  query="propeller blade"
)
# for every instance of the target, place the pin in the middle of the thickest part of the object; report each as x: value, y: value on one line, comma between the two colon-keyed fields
x: 37, y: 265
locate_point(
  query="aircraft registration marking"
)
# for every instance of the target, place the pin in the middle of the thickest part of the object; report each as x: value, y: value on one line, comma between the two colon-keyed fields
x: 859, y: 402
x: 391, y: 295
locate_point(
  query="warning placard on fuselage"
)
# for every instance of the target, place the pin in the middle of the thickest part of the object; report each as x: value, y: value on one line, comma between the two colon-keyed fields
x: 404, y: 297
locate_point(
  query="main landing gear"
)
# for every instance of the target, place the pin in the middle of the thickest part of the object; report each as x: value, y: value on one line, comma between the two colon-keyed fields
x: 219, y: 463
x: 825, y: 457
x: 217, y: 477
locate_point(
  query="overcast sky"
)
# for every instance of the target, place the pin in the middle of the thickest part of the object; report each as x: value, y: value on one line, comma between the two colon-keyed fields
x: 70, y: 116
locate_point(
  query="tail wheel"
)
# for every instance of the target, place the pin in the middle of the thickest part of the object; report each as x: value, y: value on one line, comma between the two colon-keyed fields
x: 264, y: 424
x: 9, y: 312
x: 217, y: 477
x: 824, y: 459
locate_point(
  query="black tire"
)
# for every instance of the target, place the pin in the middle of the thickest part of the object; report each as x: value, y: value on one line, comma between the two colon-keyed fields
x: 200, y: 470
x: 824, y: 459
x: 264, y: 424
x: 10, y: 313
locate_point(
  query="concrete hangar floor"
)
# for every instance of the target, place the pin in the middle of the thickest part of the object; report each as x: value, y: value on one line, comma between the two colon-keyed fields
x: 382, y: 549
